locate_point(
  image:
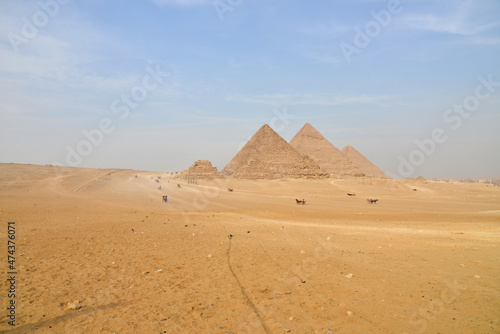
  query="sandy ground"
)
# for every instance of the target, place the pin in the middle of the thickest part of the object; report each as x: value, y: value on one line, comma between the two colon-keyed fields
x: 424, y: 261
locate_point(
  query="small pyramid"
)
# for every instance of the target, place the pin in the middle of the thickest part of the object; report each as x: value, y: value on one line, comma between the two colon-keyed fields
x: 363, y: 163
x: 268, y: 156
x: 311, y: 142
x: 201, y: 170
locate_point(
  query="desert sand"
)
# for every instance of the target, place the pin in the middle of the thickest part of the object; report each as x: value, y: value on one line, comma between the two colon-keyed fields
x: 424, y: 261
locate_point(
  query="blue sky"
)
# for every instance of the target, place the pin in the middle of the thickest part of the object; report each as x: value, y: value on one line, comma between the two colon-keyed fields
x: 234, y: 65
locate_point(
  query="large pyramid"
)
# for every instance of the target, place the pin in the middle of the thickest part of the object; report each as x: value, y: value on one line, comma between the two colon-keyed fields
x: 362, y: 163
x: 311, y: 142
x: 268, y: 156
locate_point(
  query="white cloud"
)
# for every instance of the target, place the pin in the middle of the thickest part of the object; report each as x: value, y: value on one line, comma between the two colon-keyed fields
x: 50, y: 62
x: 458, y: 24
x: 57, y: 62
x: 467, y: 19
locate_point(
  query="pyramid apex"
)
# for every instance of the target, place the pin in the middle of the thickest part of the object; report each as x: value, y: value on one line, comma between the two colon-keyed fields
x: 265, y: 127
x: 310, y: 131
x: 266, y: 130
x: 348, y: 147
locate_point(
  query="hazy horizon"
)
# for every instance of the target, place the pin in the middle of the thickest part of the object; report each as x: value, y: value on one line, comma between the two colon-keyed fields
x: 157, y: 84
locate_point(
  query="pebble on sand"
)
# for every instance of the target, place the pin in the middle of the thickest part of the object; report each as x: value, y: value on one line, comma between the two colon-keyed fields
x: 349, y: 313
x: 75, y: 305
x: 349, y: 275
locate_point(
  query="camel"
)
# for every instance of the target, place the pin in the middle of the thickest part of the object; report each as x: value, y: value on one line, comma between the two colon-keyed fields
x: 303, y: 201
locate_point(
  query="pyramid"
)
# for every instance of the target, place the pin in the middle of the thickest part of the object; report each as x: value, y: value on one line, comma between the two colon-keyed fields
x: 362, y: 163
x: 311, y: 142
x: 268, y: 156
x: 201, y: 170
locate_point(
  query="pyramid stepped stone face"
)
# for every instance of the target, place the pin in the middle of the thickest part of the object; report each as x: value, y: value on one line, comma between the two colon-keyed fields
x: 268, y: 156
x: 311, y: 142
x: 362, y: 163
x: 201, y: 170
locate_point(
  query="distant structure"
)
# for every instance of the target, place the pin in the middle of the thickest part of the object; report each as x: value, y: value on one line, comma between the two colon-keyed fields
x: 311, y: 142
x: 201, y: 170
x: 268, y: 156
x: 362, y: 163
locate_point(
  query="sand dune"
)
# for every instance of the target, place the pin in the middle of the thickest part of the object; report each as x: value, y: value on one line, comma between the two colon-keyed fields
x: 422, y: 261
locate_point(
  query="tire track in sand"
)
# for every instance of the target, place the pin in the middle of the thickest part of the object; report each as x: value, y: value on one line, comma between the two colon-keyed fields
x: 243, y: 290
x: 85, y: 185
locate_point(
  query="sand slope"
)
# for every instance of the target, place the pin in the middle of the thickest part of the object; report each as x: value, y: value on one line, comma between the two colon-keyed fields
x: 421, y: 261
